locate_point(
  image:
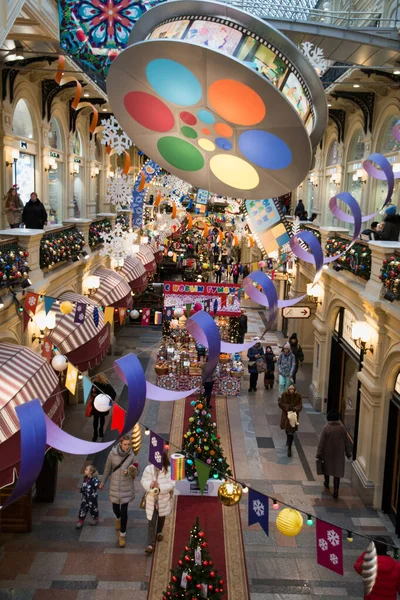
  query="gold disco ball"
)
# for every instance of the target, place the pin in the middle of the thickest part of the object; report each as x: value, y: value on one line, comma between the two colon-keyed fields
x: 289, y: 522
x: 230, y: 493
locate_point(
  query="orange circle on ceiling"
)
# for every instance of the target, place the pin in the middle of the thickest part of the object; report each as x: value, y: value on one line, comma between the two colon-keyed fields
x: 223, y: 129
x: 206, y: 131
x: 236, y: 102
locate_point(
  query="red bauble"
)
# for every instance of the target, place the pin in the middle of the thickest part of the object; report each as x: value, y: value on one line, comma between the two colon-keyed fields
x: 180, y: 562
x: 204, y: 545
x: 1, y: 274
x: 189, y: 577
x: 113, y: 54
x: 174, y: 578
x: 211, y: 587
x: 205, y: 563
x: 201, y: 534
x: 221, y: 582
x: 187, y: 548
x: 26, y: 254
x: 198, y: 586
x: 212, y: 574
x: 187, y: 558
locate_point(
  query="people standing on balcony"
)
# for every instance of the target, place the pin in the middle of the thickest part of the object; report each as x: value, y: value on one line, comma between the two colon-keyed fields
x: 34, y: 215
x: 334, y: 445
x: 300, y: 208
x: 286, y: 367
x: 389, y: 230
x: 304, y: 216
x: 291, y: 405
x: 13, y: 207
x: 297, y: 350
x: 372, y: 231
x: 314, y: 219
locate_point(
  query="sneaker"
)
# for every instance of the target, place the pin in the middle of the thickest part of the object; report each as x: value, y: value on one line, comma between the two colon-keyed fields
x: 79, y: 525
x: 149, y: 549
x: 94, y: 521
x: 118, y: 524
x: 122, y: 541
x: 160, y: 537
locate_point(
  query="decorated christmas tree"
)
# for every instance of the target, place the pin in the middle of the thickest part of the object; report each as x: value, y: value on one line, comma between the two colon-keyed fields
x: 202, y: 442
x: 195, y: 576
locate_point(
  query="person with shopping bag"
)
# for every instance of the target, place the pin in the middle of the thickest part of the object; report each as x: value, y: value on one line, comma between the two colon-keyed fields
x: 291, y: 404
x: 157, y: 500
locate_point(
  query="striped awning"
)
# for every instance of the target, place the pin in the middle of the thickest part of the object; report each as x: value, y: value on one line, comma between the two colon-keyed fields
x: 113, y: 290
x: 83, y: 343
x: 135, y: 274
x: 158, y: 254
x: 24, y: 376
x: 147, y: 259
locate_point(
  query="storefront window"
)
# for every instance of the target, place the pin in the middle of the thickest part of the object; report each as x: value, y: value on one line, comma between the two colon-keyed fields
x: 77, y: 144
x: 388, y: 143
x: 333, y: 154
x: 55, y: 138
x: 24, y: 175
x: 357, y: 146
x: 22, y: 121
x: 55, y: 194
x: 389, y: 147
x: 348, y: 403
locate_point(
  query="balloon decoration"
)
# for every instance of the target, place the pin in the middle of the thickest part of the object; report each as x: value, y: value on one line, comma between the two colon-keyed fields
x: 289, y: 522
x: 178, y: 312
x: 66, y: 307
x: 369, y: 568
x: 59, y: 362
x: 229, y: 493
x: 136, y: 438
x: 134, y: 314
x: 102, y: 403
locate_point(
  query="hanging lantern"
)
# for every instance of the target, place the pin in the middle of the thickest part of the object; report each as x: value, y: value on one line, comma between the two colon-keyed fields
x: 229, y: 493
x: 66, y: 307
x: 102, y: 403
x: 178, y: 312
x: 177, y: 467
x: 289, y: 522
x: 134, y: 314
x: 59, y: 362
x: 136, y: 438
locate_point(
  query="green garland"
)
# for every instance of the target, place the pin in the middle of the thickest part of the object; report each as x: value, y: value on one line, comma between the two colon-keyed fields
x: 13, y: 265
x: 357, y: 260
x: 60, y: 246
x: 96, y: 231
x: 390, y: 275
x: 313, y: 231
x: 122, y: 220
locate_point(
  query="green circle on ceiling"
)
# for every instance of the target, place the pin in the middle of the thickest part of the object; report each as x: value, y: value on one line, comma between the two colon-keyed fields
x: 180, y: 154
x: 189, y: 132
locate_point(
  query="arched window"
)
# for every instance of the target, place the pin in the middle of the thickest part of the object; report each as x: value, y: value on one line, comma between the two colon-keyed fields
x: 55, y: 137
x: 77, y: 144
x: 397, y: 385
x: 357, y: 146
x: 388, y: 144
x: 22, y: 121
x: 333, y: 154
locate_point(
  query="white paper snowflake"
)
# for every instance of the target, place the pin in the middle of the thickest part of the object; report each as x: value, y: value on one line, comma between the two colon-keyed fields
x: 47, y: 347
x: 119, y: 189
x: 157, y: 456
x: 114, y: 136
x: 32, y: 301
x: 334, y: 559
x: 315, y: 55
x: 333, y: 537
x: 117, y: 244
x: 154, y: 441
x: 323, y: 544
x: 258, y: 507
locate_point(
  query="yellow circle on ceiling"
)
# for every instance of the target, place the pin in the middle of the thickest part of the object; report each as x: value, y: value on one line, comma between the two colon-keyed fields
x: 206, y: 144
x: 234, y: 171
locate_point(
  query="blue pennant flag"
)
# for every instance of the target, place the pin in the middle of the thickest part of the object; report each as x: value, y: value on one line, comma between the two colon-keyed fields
x: 96, y: 316
x: 48, y: 303
x: 215, y: 307
x: 87, y: 387
x: 258, y: 509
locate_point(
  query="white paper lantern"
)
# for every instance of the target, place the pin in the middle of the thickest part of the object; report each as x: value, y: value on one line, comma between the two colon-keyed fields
x: 134, y: 314
x: 59, y: 362
x: 178, y: 312
x: 170, y: 253
x: 102, y: 402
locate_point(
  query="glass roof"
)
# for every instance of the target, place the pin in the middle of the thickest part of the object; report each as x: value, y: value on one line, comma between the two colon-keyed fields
x: 296, y: 10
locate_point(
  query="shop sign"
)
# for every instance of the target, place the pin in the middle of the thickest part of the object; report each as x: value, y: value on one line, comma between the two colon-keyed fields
x: 77, y: 160
x: 23, y: 145
x: 209, y: 289
x: 54, y: 155
x: 296, y: 312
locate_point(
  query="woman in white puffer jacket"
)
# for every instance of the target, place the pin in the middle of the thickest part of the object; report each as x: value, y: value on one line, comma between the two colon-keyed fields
x: 158, y: 505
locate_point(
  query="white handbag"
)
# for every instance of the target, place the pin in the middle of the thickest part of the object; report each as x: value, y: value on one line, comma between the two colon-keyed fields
x: 293, y: 420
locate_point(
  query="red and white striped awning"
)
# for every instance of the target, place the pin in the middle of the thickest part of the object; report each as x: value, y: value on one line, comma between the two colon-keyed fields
x: 158, y: 254
x: 147, y: 259
x: 113, y: 290
x: 24, y: 376
x: 83, y: 343
x: 135, y: 274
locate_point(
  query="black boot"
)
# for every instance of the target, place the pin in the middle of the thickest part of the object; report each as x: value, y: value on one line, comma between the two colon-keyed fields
x: 326, y: 482
x: 289, y: 443
x: 336, y: 482
x: 94, y: 438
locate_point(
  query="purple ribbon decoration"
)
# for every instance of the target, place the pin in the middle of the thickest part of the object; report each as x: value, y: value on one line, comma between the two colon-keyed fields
x: 315, y: 256
x: 385, y: 173
x: 204, y: 330
x: 153, y: 392
x: 33, y: 447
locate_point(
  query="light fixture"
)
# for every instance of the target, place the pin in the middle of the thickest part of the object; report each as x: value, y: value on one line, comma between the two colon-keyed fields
x: 26, y: 283
x: 19, y: 57
x: 310, y: 520
x: 144, y: 239
x: 314, y: 293
x: 349, y: 537
x: 361, y: 335
x: 1, y: 304
x: 45, y: 323
x: 13, y: 156
x: 86, y: 95
x: 329, y: 105
x: 275, y: 504
x: 356, y: 85
x: 396, y: 72
x: 245, y: 488
x: 85, y: 255
x: 104, y: 109
x: 147, y: 431
x: 92, y: 284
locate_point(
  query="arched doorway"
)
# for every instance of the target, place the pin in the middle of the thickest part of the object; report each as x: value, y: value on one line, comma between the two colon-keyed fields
x: 391, y: 482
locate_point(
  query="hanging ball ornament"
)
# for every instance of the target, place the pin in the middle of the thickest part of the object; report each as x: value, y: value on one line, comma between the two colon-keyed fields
x: 197, y: 307
x: 134, y: 314
x: 66, y: 307
x: 289, y: 522
x: 229, y: 493
x: 59, y: 362
x: 178, y: 312
x: 102, y: 403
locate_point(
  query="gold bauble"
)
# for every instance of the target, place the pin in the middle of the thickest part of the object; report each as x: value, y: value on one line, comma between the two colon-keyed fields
x: 229, y: 493
x: 289, y: 522
x: 66, y: 307
x: 136, y: 438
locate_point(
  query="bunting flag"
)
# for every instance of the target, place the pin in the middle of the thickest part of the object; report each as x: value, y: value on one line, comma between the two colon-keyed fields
x: 96, y: 316
x: 188, y: 310
x: 168, y: 313
x: 48, y: 303
x: 118, y: 418
x: 223, y: 301
x: 215, y: 307
x: 71, y: 378
x: 156, y: 449
x: 203, y: 472
x: 174, y: 257
x: 207, y: 305
x: 329, y: 546
x: 258, y: 509
x: 80, y: 312
x: 146, y: 317
x: 26, y: 319
x: 109, y: 315
x: 87, y: 388
x: 122, y: 314
x: 31, y: 302
x: 47, y: 349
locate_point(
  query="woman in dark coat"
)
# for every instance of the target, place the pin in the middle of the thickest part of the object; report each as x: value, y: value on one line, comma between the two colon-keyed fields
x: 34, y: 215
x: 297, y: 350
x: 270, y: 360
x: 333, y: 445
x: 389, y: 230
x: 253, y: 353
x: 290, y: 401
x: 101, y: 386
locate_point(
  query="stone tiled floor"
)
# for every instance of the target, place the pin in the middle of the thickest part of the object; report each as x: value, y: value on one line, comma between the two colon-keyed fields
x: 57, y: 562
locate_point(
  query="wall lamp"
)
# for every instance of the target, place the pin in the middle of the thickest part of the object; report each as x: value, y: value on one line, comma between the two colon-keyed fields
x: 46, y: 324
x: 361, y: 335
x: 92, y: 284
x: 14, y: 157
x: 314, y: 293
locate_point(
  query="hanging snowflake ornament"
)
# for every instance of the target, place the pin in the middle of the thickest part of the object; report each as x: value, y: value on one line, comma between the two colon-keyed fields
x: 258, y: 507
x: 117, y: 244
x: 119, y: 190
x: 315, y: 55
x: 114, y: 137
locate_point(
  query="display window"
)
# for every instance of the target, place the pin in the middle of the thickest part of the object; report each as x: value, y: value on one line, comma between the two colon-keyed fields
x: 56, y: 172
x: 24, y: 175
x: 78, y: 174
x: 390, y: 148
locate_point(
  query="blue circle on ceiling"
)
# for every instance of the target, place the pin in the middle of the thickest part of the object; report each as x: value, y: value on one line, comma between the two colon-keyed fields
x: 265, y: 149
x: 223, y: 143
x: 173, y: 82
x: 205, y: 116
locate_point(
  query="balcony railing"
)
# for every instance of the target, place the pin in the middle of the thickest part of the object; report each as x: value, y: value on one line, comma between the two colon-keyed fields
x: 390, y: 277
x: 357, y: 260
x: 97, y: 230
x: 60, y: 247
x: 14, y: 265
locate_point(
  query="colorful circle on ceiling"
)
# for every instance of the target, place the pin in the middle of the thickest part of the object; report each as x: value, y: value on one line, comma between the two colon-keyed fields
x: 173, y: 82
x: 223, y: 144
x: 205, y: 131
x: 234, y: 171
x: 206, y: 145
x: 189, y: 132
x: 180, y: 154
x: 223, y: 129
x: 188, y: 118
x: 236, y: 102
x: 265, y: 149
x: 149, y: 111
x: 206, y: 117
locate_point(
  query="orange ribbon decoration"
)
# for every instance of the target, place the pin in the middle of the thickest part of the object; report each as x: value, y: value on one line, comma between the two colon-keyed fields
x: 173, y: 210
x: 142, y: 182
x: 127, y: 164
x: 158, y: 198
x: 190, y: 221
x: 205, y: 230
x: 235, y: 240
x: 220, y: 236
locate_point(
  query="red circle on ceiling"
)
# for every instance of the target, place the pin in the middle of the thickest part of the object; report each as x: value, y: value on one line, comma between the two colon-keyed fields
x: 188, y: 118
x: 206, y: 131
x: 149, y: 111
